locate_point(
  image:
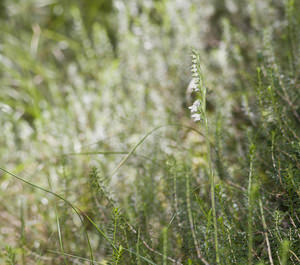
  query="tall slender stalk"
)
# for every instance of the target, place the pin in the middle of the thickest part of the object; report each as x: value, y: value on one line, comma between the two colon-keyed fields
x: 212, y: 189
x: 199, y: 114
x: 250, y: 206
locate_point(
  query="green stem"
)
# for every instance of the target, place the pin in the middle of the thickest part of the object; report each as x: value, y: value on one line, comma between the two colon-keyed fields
x: 250, y: 208
x: 212, y: 185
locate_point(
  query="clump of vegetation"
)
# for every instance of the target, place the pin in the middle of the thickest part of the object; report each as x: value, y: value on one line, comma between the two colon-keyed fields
x: 102, y: 161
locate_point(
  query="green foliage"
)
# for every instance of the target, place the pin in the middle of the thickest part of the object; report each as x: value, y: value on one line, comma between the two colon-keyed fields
x: 100, y: 161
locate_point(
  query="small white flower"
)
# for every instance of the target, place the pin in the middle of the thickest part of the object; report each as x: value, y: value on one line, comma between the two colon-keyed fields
x: 196, y: 117
x: 193, y: 86
x: 194, y: 67
x: 195, y: 107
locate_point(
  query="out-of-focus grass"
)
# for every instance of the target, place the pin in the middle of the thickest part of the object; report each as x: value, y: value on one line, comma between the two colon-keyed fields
x: 66, y: 88
x: 82, y: 82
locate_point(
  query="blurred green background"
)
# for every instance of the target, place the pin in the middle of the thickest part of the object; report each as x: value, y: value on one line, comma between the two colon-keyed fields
x: 96, y: 76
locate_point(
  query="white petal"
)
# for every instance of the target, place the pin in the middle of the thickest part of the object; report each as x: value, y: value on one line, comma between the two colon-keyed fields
x: 196, y: 117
